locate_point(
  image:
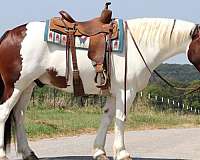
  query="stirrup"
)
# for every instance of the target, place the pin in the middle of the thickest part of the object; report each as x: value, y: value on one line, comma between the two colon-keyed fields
x: 103, y: 76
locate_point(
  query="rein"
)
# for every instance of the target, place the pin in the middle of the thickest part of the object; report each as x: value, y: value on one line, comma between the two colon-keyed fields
x: 192, y: 90
x: 125, y: 63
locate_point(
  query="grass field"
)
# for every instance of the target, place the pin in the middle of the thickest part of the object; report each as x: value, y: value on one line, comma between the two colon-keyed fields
x: 43, y: 122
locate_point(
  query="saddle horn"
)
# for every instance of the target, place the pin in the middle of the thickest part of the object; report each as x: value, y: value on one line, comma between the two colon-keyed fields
x: 106, y: 14
x: 107, y: 5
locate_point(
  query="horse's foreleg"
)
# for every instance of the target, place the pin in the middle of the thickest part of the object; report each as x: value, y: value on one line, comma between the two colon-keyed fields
x: 10, y: 99
x: 2, y: 149
x: 120, y: 152
x: 109, y: 112
x: 19, y: 114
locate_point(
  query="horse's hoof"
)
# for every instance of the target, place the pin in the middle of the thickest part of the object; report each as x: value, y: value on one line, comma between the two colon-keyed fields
x: 101, y: 157
x: 4, y: 158
x: 32, y: 156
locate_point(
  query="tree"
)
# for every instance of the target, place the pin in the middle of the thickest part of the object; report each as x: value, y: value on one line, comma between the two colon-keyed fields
x: 193, y: 100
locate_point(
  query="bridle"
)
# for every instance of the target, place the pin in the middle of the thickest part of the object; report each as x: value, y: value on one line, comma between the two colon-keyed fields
x: 192, y: 34
x: 195, y: 32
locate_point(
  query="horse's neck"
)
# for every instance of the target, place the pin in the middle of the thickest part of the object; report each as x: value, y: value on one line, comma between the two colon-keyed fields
x: 156, y: 41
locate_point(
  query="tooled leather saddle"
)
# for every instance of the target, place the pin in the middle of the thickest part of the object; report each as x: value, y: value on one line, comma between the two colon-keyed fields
x: 101, y: 30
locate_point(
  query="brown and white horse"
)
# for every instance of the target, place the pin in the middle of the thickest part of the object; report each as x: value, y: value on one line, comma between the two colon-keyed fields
x: 25, y: 57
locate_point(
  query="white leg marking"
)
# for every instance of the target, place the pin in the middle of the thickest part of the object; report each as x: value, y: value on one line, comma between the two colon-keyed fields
x: 5, y: 109
x: 109, y: 112
x: 19, y: 114
x: 7, y: 106
x: 119, y: 147
x: 2, y: 152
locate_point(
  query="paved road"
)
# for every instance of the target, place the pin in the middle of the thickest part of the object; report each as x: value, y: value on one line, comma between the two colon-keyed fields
x: 171, y: 144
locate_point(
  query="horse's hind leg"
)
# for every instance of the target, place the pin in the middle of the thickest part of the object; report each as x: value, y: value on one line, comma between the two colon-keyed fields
x: 109, y: 112
x: 19, y: 114
x: 10, y: 98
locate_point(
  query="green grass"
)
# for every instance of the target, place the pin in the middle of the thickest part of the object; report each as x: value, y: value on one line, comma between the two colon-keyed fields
x: 49, y: 122
x: 157, y: 120
x: 44, y: 122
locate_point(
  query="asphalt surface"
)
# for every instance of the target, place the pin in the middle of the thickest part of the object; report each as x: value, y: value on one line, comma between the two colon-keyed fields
x: 170, y: 144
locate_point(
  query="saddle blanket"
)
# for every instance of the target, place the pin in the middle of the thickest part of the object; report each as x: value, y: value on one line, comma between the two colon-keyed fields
x: 83, y: 41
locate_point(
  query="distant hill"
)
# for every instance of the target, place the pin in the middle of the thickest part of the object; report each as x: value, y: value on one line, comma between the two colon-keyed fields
x: 178, y: 72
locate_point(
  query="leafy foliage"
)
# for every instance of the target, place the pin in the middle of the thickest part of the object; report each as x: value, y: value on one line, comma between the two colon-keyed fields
x: 184, y: 73
x: 193, y: 99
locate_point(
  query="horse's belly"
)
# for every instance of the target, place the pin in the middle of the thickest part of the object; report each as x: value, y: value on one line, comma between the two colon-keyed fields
x: 57, y: 63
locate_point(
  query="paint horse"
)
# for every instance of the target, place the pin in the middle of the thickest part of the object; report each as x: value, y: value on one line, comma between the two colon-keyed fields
x: 25, y: 57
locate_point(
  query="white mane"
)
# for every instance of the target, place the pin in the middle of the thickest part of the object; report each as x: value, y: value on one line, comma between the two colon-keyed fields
x: 154, y: 31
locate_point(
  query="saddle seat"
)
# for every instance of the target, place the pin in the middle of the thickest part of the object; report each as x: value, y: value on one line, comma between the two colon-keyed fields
x: 87, y: 28
x: 91, y: 27
x: 106, y: 16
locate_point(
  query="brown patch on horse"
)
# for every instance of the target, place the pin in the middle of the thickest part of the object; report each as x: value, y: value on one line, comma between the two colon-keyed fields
x: 194, y: 52
x: 10, y: 68
x: 58, y: 81
x: 10, y: 58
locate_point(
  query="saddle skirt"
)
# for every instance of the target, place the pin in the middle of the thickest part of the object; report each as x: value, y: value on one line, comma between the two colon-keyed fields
x: 82, y: 42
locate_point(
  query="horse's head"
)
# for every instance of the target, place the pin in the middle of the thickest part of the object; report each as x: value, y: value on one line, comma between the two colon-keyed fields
x: 194, y: 48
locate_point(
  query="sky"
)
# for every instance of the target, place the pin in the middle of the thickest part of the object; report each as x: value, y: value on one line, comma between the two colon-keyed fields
x: 13, y: 12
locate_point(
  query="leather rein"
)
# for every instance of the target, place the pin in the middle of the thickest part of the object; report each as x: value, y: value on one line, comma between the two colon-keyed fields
x: 191, y: 90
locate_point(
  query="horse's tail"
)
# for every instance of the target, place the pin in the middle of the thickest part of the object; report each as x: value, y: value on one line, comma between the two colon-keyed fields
x: 9, y: 129
x: 9, y: 121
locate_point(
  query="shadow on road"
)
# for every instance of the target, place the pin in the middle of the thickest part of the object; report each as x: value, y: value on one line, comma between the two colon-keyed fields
x: 90, y: 158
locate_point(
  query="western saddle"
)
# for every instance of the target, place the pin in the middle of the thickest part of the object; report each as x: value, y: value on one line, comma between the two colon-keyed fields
x: 101, y: 30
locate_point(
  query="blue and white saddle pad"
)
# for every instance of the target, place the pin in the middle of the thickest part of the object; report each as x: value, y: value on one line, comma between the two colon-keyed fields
x: 83, y: 41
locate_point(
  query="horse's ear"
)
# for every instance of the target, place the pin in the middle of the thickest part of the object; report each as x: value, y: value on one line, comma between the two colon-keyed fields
x: 195, y: 31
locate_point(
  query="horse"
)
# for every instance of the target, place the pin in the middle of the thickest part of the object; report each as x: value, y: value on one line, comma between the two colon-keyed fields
x: 26, y: 57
